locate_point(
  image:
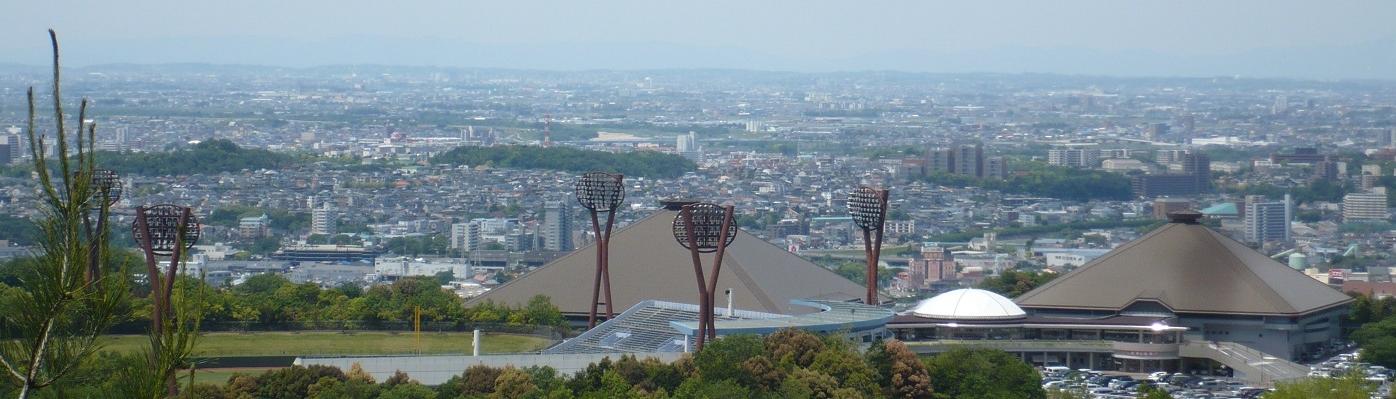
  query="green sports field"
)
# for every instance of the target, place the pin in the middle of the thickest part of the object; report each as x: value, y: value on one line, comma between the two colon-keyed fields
x: 338, y: 343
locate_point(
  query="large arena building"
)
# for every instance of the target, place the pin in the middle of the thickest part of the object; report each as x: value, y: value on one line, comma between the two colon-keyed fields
x: 1181, y: 298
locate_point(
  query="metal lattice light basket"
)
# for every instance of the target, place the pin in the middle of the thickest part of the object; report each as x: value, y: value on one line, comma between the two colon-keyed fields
x: 866, y: 207
x: 108, y: 184
x: 163, y: 223
x: 707, y: 227
x: 601, y: 191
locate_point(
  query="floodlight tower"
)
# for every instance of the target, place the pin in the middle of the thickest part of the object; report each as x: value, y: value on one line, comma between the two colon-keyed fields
x: 108, y: 186
x: 164, y: 230
x: 601, y: 192
x: 705, y: 228
x: 868, y: 207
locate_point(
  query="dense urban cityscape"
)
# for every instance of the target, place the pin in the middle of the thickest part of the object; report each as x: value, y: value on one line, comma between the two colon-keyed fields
x: 361, y: 230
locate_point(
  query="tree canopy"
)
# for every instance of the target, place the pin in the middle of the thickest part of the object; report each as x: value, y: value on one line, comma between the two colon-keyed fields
x: 208, y: 157
x: 1047, y: 181
x: 983, y: 374
x: 1012, y: 283
x: 634, y: 163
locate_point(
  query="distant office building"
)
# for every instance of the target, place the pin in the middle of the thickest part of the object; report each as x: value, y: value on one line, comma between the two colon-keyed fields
x: 254, y: 226
x: 324, y: 253
x: 1074, y: 157
x: 969, y: 160
x: 940, y: 160
x: 1123, y: 165
x: 522, y: 242
x: 1365, y: 207
x: 12, y: 149
x: 1156, y: 132
x: 1165, y: 206
x: 466, y: 236
x: 1370, y: 181
x: 1164, y: 185
x: 937, y: 263
x: 1307, y: 155
x: 1388, y: 138
x: 1195, y: 179
x: 1372, y: 169
x: 1189, y: 123
x: 687, y: 146
x: 323, y: 220
x: 557, y: 226
x: 1326, y: 169
x: 1267, y: 221
x: 1169, y: 156
x: 995, y: 168
x: 755, y: 126
x: 1200, y: 167
x: 1281, y: 105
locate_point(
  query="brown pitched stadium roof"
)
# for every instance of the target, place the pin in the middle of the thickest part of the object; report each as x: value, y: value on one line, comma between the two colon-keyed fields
x: 646, y: 263
x: 1191, y: 269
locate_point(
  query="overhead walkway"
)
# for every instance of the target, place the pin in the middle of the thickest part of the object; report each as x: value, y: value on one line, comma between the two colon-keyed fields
x: 1250, y: 364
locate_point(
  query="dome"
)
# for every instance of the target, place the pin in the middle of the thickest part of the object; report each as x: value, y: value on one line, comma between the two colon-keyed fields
x: 968, y: 304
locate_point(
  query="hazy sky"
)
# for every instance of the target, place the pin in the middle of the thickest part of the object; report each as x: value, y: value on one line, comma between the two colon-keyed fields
x: 1354, y: 38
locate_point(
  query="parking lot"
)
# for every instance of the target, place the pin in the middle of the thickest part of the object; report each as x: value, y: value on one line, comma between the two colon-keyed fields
x: 1114, y: 385
x: 1097, y: 384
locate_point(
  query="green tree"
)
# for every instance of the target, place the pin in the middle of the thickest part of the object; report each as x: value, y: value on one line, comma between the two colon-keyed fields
x: 1378, y: 342
x: 1350, y: 387
x: 907, y: 376
x: 53, y: 318
x: 331, y: 388
x: 1012, y: 283
x: 719, y: 359
x: 410, y: 390
x: 697, y: 388
x: 794, y: 347
x: 983, y: 374
x: 208, y: 157
x: 513, y: 383
x: 541, y: 311
x: 635, y: 163
x: 1147, y: 391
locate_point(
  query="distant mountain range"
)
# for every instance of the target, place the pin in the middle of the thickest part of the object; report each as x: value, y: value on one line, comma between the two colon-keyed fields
x: 1374, y: 60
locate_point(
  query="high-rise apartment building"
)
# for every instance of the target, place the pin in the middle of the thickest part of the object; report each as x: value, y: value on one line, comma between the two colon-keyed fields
x: 1195, y: 179
x: 1366, y: 207
x: 1074, y: 157
x: 940, y: 160
x: 1156, y: 132
x: 969, y: 160
x: 323, y: 219
x: 12, y: 150
x: 557, y: 226
x: 1199, y: 166
x: 254, y: 226
x: 466, y: 236
x: 995, y: 168
x: 1267, y: 221
x: 686, y: 145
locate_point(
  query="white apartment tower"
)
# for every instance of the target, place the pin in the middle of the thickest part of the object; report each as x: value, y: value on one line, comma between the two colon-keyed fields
x: 1366, y: 207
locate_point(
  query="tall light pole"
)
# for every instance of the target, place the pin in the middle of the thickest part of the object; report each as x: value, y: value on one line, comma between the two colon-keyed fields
x: 705, y: 228
x: 601, y: 192
x: 868, y: 207
x: 164, y: 230
x: 108, y: 186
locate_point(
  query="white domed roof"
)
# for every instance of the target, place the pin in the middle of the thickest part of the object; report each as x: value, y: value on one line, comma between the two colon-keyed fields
x: 968, y: 304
